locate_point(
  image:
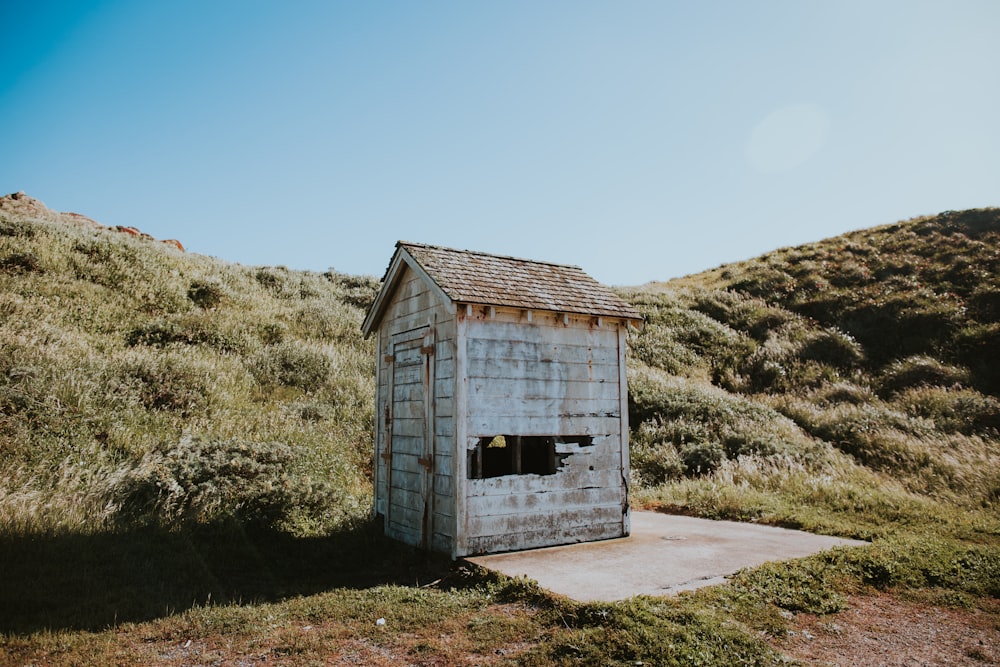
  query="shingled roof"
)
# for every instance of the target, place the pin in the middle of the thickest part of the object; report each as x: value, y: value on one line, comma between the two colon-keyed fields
x: 478, y: 278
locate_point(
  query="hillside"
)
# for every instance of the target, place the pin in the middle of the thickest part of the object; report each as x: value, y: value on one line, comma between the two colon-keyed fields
x: 881, y: 343
x: 185, y: 452
x: 127, y: 365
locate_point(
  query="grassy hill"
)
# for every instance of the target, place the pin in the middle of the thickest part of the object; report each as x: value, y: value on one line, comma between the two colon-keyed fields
x: 881, y: 344
x: 139, y: 382
x: 185, y: 449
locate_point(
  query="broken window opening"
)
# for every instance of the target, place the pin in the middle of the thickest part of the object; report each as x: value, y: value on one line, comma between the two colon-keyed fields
x: 502, y: 455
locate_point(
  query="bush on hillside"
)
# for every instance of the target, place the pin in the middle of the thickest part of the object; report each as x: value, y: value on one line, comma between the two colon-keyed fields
x: 984, y: 304
x: 653, y: 456
x: 832, y: 346
x: 21, y: 262
x: 16, y: 228
x: 841, y: 392
x: 206, y: 294
x: 292, y: 365
x: 901, y: 325
x: 954, y: 410
x: 187, y: 330
x: 359, y: 291
x: 207, y: 480
x: 676, y: 337
x: 689, y: 428
x: 168, y: 382
x: 978, y: 347
x: 752, y: 316
x: 921, y: 370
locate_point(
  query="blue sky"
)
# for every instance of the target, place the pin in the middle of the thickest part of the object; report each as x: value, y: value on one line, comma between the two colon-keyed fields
x: 638, y: 140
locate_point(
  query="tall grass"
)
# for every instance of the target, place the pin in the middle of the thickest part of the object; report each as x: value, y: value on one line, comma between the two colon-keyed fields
x: 114, y: 350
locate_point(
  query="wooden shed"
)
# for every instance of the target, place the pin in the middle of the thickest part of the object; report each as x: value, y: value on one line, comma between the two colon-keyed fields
x: 502, y: 420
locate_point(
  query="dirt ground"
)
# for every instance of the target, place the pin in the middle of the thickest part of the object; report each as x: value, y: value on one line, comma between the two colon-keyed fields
x: 885, y: 630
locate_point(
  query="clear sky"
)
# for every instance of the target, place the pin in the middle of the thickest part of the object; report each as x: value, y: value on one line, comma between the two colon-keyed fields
x: 638, y: 140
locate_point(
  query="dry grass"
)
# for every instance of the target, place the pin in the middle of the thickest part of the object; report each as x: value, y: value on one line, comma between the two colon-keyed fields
x: 185, y: 455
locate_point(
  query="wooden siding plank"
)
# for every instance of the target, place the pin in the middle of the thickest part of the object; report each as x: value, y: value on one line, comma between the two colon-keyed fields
x: 542, y: 538
x: 528, y: 484
x: 461, y: 435
x: 531, y: 389
x: 579, y: 517
x: 482, y: 426
x: 514, y: 369
x: 542, y: 351
x: 552, y: 501
x: 623, y: 443
x: 539, y: 329
x: 540, y: 408
x: 409, y: 499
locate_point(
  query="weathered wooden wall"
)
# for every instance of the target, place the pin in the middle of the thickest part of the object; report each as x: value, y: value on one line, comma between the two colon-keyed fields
x: 544, y: 374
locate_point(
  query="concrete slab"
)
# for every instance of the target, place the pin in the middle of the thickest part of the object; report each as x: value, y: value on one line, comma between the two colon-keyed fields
x: 665, y: 554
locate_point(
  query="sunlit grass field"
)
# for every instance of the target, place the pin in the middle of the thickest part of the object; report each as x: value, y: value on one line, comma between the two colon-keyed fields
x: 185, y: 454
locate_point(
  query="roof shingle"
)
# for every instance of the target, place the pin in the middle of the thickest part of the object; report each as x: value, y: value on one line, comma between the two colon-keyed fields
x: 467, y: 276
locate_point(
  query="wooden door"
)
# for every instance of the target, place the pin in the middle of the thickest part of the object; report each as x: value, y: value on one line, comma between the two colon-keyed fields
x: 410, y: 445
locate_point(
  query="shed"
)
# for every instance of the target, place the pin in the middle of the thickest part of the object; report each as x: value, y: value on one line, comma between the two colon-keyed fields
x: 501, y: 412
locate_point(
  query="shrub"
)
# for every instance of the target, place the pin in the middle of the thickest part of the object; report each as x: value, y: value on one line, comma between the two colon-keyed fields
x: 834, y: 347
x: 978, y: 347
x: 654, y: 454
x: 984, y: 304
x: 657, y: 348
x: 157, y: 334
x: 954, y: 410
x: 679, y: 339
x: 16, y: 228
x: 166, y: 383
x: 850, y: 273
x: 292, y: 365
x: 186, y: 331
x: 842, y: 392
x: 359, y: 291
x: 774, y: 366
x: 656, y: 463
x: 206, y: 294
x: 698, y: 425
x: 272, y: 333
x: 21, y: 262
x: 920, y: 370
x: 278, y: 281
x: 206, y: 480
x: 271, y: 278
x: 701, y: 458
x: 752, y: 316
x: 747, y: 443
x: 905, y: 323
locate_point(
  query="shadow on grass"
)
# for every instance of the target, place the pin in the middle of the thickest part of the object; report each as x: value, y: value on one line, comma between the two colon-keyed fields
x: 94, y: 581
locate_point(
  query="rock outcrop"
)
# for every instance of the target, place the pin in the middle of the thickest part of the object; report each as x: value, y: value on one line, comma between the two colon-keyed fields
x: 18, y: 203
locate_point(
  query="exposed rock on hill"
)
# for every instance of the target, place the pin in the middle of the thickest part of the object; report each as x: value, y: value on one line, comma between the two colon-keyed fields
x: 20, y: 204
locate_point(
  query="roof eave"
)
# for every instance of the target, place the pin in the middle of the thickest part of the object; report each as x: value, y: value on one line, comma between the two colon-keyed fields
x: 636, y: 320
x: 400, y: 260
